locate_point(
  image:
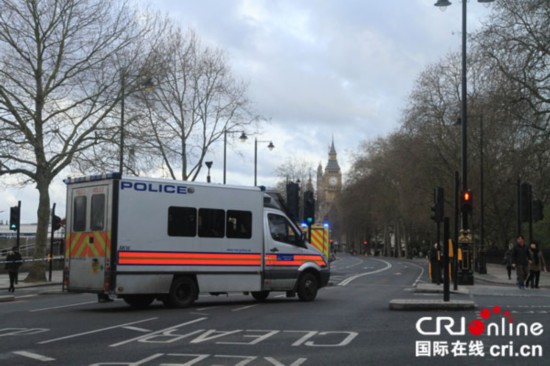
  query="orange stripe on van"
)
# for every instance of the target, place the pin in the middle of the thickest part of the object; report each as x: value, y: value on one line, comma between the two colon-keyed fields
x: 189, y: 259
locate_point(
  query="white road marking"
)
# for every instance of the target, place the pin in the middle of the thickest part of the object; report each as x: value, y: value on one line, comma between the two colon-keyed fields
x: 64, y: 306
x: 208, y: 308
x: 244, y: 307
x: 95, y: 331
x: 142, y: 330
x: 157, y: 332
x: 352, y: 278
x: 34, y: 356
x: 419, y: 276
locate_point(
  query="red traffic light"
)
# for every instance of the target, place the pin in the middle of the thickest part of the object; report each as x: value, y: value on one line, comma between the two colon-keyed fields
x: 466, y: 199
x: 366, y: 242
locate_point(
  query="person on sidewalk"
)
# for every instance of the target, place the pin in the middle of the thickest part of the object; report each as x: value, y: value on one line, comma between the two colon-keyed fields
x: 13, y: 262
x: 507, y: 261
x: 536, y: 264
x: 520, y: 261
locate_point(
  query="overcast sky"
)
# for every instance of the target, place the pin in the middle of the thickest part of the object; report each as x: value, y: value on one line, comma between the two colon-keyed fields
x: 315, y: 69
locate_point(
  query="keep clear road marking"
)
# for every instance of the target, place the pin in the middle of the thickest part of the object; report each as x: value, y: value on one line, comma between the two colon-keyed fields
x: 165, y: 330
x: 34, y: 356
x: 96, y: 331
x: 352, y: 278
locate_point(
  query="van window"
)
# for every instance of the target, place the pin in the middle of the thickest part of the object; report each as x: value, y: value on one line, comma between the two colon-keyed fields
x: 239, y: 224
x: 182, y: 221
x: 98, y: 212
x: 281, y: 230
x: 79, y: 213
x: 211, y: 223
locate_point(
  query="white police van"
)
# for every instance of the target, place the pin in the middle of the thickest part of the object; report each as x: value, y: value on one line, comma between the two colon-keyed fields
x: 146, y: 239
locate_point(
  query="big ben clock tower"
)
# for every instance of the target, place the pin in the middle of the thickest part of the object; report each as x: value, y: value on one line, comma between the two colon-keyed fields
x: 329, y: 184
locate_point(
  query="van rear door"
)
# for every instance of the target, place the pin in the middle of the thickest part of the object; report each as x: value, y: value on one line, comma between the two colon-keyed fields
x: 89, y: 236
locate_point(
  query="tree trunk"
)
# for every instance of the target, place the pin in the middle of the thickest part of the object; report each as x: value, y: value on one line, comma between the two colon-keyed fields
x: 37, y: 272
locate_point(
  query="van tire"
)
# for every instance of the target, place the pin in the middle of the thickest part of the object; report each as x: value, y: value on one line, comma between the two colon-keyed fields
x: 138, y: 301
x: 183, y: 292
x: 307, y: 287
x: 260, y: 296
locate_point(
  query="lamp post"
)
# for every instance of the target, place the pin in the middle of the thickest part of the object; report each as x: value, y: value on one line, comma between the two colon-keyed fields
x: 208, y: 165
x: 243, y: 138
x: 270, y: 147
x: 148, y: 85
x: 122, y: 97
x: 464, y: 94
x: 482, y: 264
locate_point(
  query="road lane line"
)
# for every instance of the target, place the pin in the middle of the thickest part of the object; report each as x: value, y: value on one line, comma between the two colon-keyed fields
x: 419, y: 276
x: 244, y: 307
x: 34, y: 356
x: 63, y: 306
x: 157, y: 332
x: 95, y: 331
x: 352, y: 278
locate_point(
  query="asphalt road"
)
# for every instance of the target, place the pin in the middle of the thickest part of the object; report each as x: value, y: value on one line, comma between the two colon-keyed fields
x: 348, y: 324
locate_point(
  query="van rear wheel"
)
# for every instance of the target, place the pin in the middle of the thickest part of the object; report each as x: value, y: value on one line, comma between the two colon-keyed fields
x: 260, y: 295
x: 307, y: 287
x: 183, y: 292
x: 138, y: 301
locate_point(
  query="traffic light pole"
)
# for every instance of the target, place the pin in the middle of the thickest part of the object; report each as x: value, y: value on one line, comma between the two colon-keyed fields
x: 18, y: 235
x: 446, y: 237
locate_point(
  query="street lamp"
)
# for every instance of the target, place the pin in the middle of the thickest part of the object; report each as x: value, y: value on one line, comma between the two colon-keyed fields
x: 148, y: 85
x: 464, y: 110
x: 243, y: 138
x: 208, y: 165
x: 270, y: 147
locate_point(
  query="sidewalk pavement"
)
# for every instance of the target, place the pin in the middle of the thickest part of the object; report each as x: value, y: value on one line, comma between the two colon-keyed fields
x: 57, y: 279
x: 496, y: 275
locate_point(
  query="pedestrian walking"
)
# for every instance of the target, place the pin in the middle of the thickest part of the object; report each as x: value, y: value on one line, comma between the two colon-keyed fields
x: 507, y: 261
x: 520, y: 261
x: 536, y: 264
x: 13, y: 262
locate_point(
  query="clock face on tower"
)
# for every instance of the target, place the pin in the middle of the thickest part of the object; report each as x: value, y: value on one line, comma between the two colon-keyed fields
x: 332, y: 181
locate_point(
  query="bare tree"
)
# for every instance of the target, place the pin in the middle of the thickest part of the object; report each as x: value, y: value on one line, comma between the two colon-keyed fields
x: 59, y: 83
x: 194, y: 102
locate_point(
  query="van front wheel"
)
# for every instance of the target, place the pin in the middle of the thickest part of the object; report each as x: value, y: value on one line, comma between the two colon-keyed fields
x: 183, y: 292
x: 307, y: 287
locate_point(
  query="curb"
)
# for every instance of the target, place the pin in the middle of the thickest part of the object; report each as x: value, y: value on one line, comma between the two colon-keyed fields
x: 23, y: 285
x: 431, y: 304
x: 7, y: 298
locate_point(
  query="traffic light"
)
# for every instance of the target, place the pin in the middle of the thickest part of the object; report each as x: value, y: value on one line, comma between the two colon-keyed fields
x: 309, y: 207
x: 438, y: 209
x: 14, y: 218
x: 292, y: 197
x: 56, y: 222
x: 466, y: 201
x: 525, y: 202
x: 537, y: 210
